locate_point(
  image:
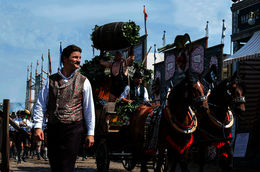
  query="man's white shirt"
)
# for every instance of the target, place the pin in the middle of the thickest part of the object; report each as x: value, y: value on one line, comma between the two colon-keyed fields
x: 127, y: 90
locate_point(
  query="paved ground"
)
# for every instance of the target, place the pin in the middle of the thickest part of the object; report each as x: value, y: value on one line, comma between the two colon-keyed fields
x: 88, y: 165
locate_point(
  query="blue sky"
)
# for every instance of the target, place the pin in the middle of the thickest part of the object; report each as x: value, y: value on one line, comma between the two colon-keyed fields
x: 30, y: 27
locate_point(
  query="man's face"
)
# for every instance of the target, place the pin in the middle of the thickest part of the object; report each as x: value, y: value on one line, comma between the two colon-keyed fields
x: 138, y: 80
x: 118, y: 56
x: 73, y: 61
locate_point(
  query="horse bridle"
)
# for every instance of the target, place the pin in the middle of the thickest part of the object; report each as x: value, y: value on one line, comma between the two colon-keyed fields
x: 240, y: 99
x: 200, y: 98
x: 220, y: 124
x: 188, y: 130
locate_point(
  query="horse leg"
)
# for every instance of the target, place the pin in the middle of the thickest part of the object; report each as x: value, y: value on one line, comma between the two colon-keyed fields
x: 144, y: 162
x: 183, y: 163
x: 161, y: 157
x: 202, y: 158
x: 226, y: 161
x: 172, y: 160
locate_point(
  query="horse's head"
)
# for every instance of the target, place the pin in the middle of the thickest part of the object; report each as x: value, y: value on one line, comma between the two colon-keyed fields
x: 199, y: 100
x: 190, y: 91
x: 229, y: 92
x: 187, y: 95
x: 235, y: 93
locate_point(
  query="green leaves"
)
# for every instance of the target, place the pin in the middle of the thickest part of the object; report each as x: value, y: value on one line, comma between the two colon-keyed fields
x: 130, y: 32
x: 125, y: 110
x: 93, y: 30
x: 147, y: 73
x: 94, y: 71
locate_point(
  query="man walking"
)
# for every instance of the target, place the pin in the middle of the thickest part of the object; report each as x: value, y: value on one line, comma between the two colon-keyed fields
x: 67, y: 101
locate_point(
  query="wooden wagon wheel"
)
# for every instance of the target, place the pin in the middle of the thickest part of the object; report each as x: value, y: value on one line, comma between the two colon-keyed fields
x: 128, y: 160
x: 102, y: 156
x: 163, y: 160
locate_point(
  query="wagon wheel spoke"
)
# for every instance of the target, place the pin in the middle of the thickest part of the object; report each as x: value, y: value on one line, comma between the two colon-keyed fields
x: 128, y: 160
x: 160, y: 162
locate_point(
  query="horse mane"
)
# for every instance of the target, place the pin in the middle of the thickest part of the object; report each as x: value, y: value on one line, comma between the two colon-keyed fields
x: 222, y: 85
x: 179, y: 100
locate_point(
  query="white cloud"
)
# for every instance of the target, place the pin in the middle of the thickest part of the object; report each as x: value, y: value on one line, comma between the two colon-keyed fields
x: 194, y: 14
x: 86, y: 11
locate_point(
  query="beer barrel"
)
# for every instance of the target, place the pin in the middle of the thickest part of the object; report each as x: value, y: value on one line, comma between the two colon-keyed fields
x: 114, y: 36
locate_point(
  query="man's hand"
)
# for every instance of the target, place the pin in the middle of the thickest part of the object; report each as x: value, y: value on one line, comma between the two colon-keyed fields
x: 38, y: 133
x: 127, y: 100
x: 89, y: 141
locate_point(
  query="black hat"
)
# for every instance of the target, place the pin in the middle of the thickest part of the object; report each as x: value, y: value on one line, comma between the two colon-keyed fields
x: 138, y: 74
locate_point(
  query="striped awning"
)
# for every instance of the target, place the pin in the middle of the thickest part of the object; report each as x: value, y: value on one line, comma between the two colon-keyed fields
x: 250, y: 50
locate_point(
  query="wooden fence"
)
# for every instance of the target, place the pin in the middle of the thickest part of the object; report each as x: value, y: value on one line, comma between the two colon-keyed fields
x: 4, y: 137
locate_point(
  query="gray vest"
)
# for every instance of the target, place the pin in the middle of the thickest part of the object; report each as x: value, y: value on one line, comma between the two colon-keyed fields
x: 65, y: 103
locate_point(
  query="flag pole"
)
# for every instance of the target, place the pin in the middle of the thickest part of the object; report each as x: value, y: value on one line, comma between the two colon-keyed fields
x: 163, y: 38
x: 30, y: 89
x: 223, y: 31
x: 154, y: 53
x: 207, y: 29
x: 37, y: 63
x: 60, y: 56
x: 49, y: 57
x: 27, y: 73
x: 42, y: 72
x: 145, y: 18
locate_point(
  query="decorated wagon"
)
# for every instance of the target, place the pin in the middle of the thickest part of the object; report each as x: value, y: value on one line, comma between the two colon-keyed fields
x: 112, y: 135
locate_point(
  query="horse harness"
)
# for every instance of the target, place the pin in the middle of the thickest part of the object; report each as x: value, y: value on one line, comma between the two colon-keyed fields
x: 151, y: 130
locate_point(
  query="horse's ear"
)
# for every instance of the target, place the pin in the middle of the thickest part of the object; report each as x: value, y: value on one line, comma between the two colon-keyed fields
x: 234, y: 77
x: 199, y: 76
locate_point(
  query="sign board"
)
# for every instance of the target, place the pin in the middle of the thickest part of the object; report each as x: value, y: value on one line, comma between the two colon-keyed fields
x: 241, y: 144
x: 169, y: 66
x: 138, y: 53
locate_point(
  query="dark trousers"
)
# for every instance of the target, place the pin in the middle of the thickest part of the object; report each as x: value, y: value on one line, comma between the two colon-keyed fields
x: 63, y: 145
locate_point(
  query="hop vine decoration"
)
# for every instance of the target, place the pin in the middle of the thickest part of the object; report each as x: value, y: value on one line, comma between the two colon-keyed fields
x: 125, y: 111
x: 94, y: 71
x: 147, y: 73
x: 131, y: 32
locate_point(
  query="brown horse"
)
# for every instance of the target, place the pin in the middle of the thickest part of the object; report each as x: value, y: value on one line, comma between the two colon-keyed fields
x: 176, y: 122
x: 215, y: 128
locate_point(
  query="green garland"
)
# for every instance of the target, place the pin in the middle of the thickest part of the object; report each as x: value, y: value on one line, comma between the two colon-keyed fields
x: 94, y: 71
x: 131, y: 32
x: 124, y: 111
x: 147, y: 73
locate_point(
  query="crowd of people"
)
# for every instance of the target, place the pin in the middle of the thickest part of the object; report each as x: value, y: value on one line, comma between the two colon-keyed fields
x: 22, y: 143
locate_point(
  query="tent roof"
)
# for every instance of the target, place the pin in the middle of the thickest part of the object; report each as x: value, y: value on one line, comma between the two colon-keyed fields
x: 250, y: 50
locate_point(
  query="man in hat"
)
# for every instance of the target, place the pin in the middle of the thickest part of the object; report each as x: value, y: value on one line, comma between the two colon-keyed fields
x: 136, y: 92
x: 22, y: 138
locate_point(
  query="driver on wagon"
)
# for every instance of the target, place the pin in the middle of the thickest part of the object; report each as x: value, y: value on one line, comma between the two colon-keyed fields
x: 137, y: 92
